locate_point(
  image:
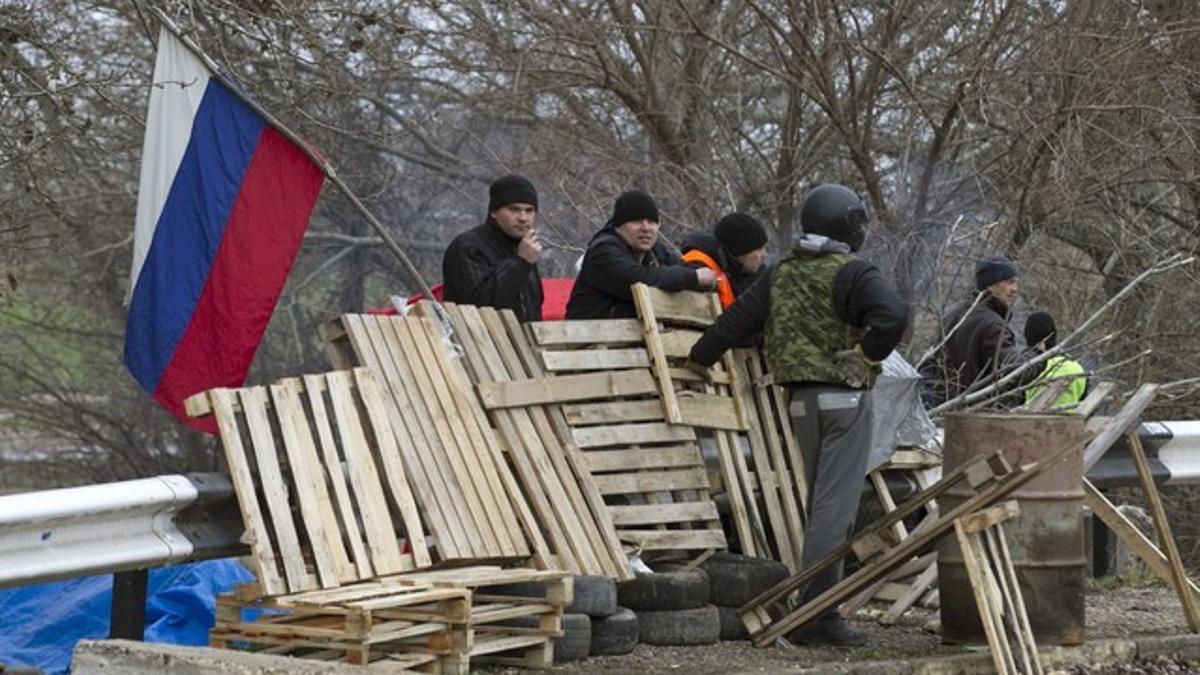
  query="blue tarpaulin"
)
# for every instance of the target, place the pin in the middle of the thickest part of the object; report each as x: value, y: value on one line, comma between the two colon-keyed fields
x: 39, y: 625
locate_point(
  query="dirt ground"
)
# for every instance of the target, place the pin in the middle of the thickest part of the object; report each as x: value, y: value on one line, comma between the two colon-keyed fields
x: 1123, y: 612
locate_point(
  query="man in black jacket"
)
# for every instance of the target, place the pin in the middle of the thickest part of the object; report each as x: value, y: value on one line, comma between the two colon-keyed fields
x: 830, y: 319
x: 495, y: 264
x: 979, y: 346
x: 624, y: 252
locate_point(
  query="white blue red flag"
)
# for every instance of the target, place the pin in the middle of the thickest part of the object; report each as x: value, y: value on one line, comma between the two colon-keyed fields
x: 223, y: 203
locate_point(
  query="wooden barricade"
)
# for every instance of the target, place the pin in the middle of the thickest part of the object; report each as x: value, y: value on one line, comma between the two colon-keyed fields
x: 310, y: 523
x: 650, y: 472
x: 550, y: 467
x: 997, y: 592
x: 469, y: 497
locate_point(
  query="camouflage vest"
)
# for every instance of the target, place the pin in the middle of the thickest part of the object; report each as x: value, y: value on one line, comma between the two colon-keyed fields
x: 803, y: 330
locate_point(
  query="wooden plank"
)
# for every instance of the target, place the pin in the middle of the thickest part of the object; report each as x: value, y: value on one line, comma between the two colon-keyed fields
x: 480, y: 481
x: 378, y: 346
x: 586, y: 332
x: 1094, y: 398
x: 376, y: 520
x: 997, y: 546
x: 320, y: 522
x: 1131, y: 535
x: 254, y: 405
x: 709, y: 411
x: 595, y: 359
x: 667, y: 540
x: 994, y: 515
x: 770, y: 488
x: 612, y: 412
x: 1191, y: 609
x: 714, y: 376
x: 389, y: 455
x: 461, y: 497
x: 980, y: 579
x: 1129, y: 415
x: 631, y: 434
x: 565, y: 388
x: 739, y: 491
x: 314, y: 387
x: 256, y: 535
x: 617, y: 562
x: 537, y: 440
x: 633, y: 459
x: 912, y: 593
x: 653, y: 514
x: 665, y: 481
x: 886, y: 501
x: 524, y: 503
x: 677, y: 343
x: 644, y: 301
x: 758, y: 399
x: 687, y: 308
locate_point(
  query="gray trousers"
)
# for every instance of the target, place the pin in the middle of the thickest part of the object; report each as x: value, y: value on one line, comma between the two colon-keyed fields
x: 833, y: 429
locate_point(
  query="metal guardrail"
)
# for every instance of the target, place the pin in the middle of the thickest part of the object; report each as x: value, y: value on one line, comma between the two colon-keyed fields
x: 114, y: 527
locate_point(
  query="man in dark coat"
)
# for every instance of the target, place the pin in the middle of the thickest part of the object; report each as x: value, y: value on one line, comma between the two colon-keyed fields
x: 624, y: 252
x: 979, y: 344
x: 495, y: 264
x: 735, y: 251
x: 830, y: 319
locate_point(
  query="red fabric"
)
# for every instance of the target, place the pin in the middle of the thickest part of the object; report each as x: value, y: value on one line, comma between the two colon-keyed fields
x: 555, y: 294
x: 256, y: 253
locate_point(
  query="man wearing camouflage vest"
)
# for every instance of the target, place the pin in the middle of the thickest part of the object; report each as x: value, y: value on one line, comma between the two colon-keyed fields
x: 830, y: 319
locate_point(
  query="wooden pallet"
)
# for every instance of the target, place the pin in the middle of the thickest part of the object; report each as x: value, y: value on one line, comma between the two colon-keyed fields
x: 470, y: 499
x: 551, y: 469
x: 997, y: 592
x: 650, y: 472
x: 310, y: 523
x: 360, y: 624
x: 768, y: 619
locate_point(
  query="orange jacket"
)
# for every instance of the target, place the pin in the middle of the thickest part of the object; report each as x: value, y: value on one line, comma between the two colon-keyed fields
x: 724, y: 289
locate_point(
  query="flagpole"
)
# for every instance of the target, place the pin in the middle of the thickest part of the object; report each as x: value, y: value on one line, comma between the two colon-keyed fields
x: 308, y: 150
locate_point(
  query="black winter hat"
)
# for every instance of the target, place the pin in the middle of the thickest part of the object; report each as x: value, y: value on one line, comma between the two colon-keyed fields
x: 1038, y: 327
x: 511, y: 189
x: 740, y: 234
x: 993, y: 269
x: 633, y: 205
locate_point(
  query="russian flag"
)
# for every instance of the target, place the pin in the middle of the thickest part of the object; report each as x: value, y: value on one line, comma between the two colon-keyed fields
x: 223, y: 202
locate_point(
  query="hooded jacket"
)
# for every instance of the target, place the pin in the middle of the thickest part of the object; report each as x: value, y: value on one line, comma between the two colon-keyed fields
x: 610, y: 266
x: 481, y: 267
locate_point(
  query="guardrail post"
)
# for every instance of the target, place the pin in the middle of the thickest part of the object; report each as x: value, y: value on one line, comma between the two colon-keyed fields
x: 128, y: 618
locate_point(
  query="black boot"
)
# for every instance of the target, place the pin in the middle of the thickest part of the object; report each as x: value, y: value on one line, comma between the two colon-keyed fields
x: 833, y: 631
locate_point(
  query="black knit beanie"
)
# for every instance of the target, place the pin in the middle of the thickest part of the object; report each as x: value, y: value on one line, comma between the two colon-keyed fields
x: 633, y: 205
x: 740, y: 234
x: 993, y: 269
x: 511, y: 189
x: 1040, y: 326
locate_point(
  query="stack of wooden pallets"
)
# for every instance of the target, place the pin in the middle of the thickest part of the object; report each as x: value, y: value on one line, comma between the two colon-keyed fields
x: 338, y: 543
x: 649, y: 470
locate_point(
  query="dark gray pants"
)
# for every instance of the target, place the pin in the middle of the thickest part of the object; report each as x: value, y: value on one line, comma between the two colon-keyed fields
x: 833, y: 429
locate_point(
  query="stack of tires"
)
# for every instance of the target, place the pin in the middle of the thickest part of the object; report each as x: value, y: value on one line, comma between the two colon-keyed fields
x: 672, y: 606
x: 735, y: 580
x: 592, y: 624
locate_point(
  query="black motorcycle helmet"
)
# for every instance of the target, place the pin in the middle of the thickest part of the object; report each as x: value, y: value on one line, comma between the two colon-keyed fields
x: 837, y: 212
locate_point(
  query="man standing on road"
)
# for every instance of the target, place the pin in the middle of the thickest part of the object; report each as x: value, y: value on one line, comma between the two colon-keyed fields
x: 624, y: 252
x: 830, y: 320
x: 495, y: 264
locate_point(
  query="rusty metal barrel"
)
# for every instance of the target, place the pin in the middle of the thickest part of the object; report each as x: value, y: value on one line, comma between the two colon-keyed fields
x: 1046, y: 542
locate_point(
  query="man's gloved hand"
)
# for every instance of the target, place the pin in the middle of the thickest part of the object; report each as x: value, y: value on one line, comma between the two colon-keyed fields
x: 700, y: 370
x: 854, y: 366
